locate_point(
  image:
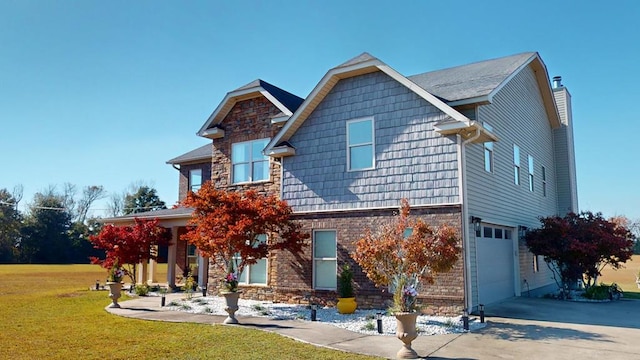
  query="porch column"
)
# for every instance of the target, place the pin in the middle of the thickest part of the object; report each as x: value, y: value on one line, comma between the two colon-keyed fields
x: 202, y: 270
x: 153, y: 265
x: 171, y: 258
x: 142, y: 273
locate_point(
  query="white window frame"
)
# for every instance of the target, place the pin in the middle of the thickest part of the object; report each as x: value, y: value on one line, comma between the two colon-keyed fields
x: 193, y: 187
x: 488, y: 151
x: 247, y: 268
x: 516, y: 164
x: 251, y: 162
x: 372, y: 143
x: 315, y: 259
x: 536, y: 264
x: 544, y: 181
x: 531, y: 167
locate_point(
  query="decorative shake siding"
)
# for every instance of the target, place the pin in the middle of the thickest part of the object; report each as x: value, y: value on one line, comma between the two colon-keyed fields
x: 411, y: 160
x: 517, y: 116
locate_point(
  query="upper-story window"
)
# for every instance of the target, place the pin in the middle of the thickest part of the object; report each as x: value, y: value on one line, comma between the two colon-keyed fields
x: 249, y: 164
x: 360, y: 144
x: 516, y: 164
x: 530, y: 173
x: 195, y: 179
x: 488, y: 151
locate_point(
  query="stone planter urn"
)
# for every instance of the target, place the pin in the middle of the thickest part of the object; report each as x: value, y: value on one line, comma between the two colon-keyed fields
x: 115, y: 289
x: 231, y: 299
x: 406, y: 332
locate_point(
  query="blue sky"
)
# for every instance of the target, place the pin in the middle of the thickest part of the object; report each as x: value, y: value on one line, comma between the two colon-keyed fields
x: 104, y: 93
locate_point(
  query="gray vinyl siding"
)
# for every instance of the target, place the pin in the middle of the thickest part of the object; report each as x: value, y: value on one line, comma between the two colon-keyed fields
x: 565, y: 157
x: 411, y: 160
x: 517, y: 116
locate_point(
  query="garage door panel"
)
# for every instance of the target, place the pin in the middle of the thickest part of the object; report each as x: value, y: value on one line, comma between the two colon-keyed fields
x: 495, y: 268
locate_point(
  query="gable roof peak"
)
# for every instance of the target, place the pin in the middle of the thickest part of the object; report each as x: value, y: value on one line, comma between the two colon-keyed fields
x: 364, y: 57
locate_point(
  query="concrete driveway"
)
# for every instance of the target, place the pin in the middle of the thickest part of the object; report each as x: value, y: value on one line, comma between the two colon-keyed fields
x: 532, y: 328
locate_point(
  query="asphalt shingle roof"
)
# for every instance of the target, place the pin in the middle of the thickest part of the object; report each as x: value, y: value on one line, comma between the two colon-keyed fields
x: 291, y: 101
x: 202, y: 153
x: 471, y: 80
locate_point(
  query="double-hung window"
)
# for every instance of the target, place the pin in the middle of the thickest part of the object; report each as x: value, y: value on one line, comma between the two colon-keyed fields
x: 249, y: 164
x: 324, y: 259
x: 360, y: 144
x: 195, y: 179
x: 516, y: 164
x: 530, y: 173
x: 255, y: 273
x: 488, y: 151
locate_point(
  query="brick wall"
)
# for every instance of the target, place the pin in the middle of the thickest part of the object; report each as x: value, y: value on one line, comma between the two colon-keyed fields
x: 290, y: 277
x: 247, y: 120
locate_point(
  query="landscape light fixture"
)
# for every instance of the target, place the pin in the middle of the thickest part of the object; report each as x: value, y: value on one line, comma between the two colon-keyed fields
x: 314, y: 308
x: 204, y: 290
x: 379, y: 322
x: 97, y: 284
x: 465, y: 320
x: 476, y: 221
x: 481, y: 308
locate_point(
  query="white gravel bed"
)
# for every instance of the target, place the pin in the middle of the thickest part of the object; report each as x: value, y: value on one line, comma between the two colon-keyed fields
x: 362, y: 321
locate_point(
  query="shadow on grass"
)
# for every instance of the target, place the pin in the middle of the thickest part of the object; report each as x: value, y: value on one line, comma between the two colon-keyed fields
x: 515, y: 332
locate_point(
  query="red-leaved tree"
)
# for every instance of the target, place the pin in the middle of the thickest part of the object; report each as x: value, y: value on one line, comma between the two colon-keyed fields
x: 391, y: 257
x: 226, y: 226
x: 578, y: 246
x: 130, y: 245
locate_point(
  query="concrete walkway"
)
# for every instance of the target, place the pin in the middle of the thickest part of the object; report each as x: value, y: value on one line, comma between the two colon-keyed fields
x: 522, y: 328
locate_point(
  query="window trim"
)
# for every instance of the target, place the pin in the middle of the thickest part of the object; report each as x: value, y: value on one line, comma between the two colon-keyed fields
x: 372, y: 143
x: 314, y: 259
x: 544, y: 181
x: 488, y: 150
x: 516, y: 164
x: 266, y: 159
x: 191, y: 185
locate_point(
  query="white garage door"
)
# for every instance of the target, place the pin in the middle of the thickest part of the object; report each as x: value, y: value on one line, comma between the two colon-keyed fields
x: 495, y: 264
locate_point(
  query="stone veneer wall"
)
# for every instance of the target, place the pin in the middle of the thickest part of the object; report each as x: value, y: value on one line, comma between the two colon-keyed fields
x: 290, y: 277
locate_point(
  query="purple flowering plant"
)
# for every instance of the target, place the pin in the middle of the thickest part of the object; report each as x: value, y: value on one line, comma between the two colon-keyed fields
x: 230, y: 280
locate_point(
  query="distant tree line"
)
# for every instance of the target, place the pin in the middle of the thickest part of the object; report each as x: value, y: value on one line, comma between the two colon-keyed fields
x: 56, y: 225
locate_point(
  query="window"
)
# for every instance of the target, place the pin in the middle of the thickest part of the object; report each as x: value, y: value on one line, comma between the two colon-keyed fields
x: 498, y: 233
x: 195, y: 179
x: 488, y: 151
x: 544, y: 181
x: 516, y: 164
x: 360, y: 145
x: 507, y: 234
x: 192, y: 258
x: 324, y: 259
x: 530, y: 173
x: 255, y: 273
x: 536, y: 264
x: 249, y: 164
x: 407, y: 232
x: 488, y: 232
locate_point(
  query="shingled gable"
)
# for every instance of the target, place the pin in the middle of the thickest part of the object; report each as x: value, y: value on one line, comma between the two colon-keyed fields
x: 201, y: 153
x: 286, y: 102
x: 360, y: 65
x: 479, y: 82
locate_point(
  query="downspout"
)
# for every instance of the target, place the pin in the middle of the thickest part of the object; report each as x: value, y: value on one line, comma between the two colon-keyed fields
x: 465, y: 218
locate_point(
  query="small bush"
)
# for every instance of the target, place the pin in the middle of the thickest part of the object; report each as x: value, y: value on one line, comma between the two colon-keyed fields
x: 369, y: 326
x: 142, y: 290
x: 598, y: 292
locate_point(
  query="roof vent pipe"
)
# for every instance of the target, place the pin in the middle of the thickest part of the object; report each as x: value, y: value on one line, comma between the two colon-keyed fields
x: 557, y: 82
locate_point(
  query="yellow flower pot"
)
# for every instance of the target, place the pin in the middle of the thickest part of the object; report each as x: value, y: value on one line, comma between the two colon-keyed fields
x: 347, y: 305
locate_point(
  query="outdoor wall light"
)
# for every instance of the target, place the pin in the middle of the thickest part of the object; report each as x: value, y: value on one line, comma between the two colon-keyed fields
x: 314, y: 309
x: 481, y: 308
x: 379, y: 321
x: 465, y: 320
x: 522, y: 231
x: 476, y: 221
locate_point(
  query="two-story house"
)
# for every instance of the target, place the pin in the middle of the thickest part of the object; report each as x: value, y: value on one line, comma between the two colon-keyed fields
x: 486, y: 147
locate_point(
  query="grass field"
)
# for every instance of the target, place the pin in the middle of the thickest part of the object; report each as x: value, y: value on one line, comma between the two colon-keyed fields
x: 625, y: 277
x: 48, y: 312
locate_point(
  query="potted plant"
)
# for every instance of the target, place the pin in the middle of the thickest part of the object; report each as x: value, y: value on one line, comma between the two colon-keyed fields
x: 400, y: 260
x: 114, y: 281
x: 346, y: 299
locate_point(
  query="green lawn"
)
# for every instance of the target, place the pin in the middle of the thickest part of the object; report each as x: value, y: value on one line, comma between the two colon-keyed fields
x: 47, y: 312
